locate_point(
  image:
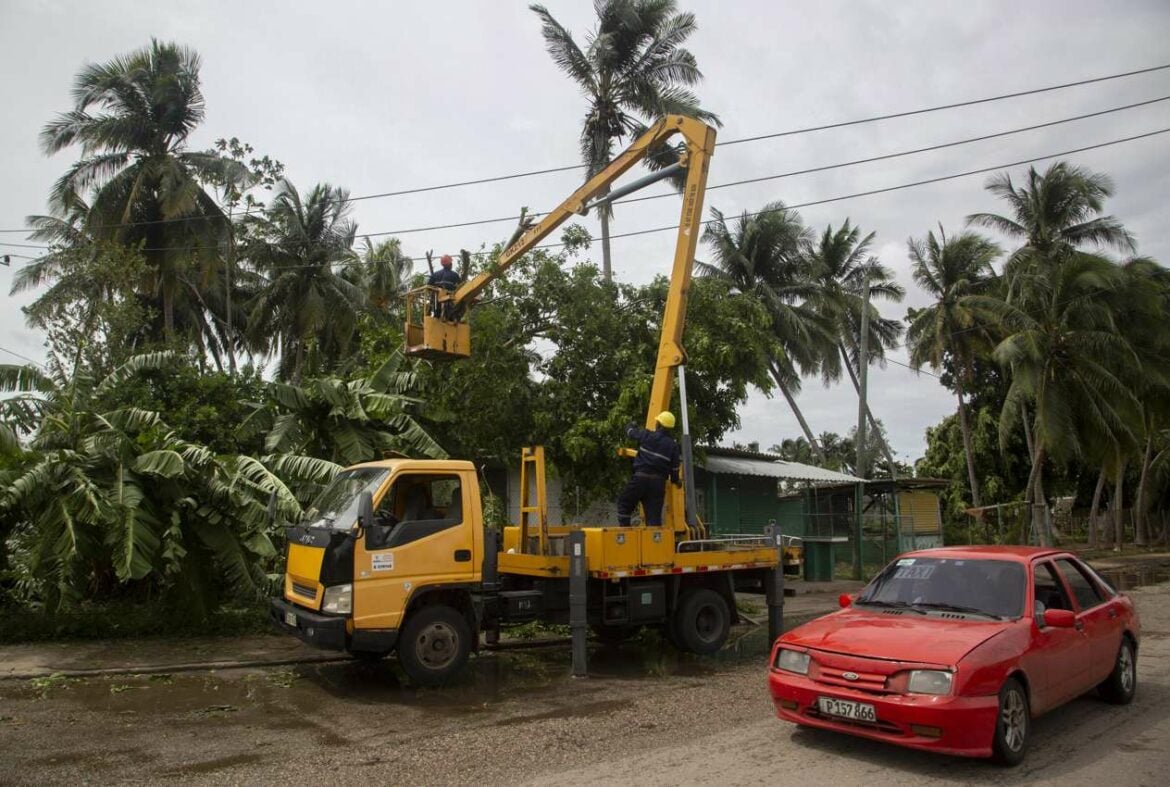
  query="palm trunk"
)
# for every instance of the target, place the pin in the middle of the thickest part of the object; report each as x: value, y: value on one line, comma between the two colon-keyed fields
x: 1095, y: 507
x: 965, y: 427
x: 808, y: 433
x: 1043, y: 525
x: 300, y: 362
x: 1118, y: 489
x: 1140, y: 525
x: 606, y: 263
x: 881, y: 440
x: 1034, y: 497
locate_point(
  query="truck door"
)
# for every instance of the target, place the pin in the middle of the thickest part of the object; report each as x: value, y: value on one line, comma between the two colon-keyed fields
x: 421, y: 538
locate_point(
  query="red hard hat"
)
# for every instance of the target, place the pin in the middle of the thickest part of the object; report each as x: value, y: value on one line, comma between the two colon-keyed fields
x: 445, y: 259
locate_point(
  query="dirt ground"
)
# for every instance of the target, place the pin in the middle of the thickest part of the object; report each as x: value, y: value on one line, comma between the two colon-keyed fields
x: 647, y: 715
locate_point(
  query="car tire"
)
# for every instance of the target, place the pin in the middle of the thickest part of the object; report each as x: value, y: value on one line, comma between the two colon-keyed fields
x: 434, y: 645
x: 1121, y: 685
x: 1013, y: 724
x: 701, y: 622
x: 615, y: 635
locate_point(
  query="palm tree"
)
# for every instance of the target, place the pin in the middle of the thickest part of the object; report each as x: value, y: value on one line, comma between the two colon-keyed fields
x: 300, y: 247
x: 842, y: 268
x: 1053, y: 216
x: 633, y: 71
x: 383, y: 271
x: 761, y: 256
x: 146, y: 186
x: 951, y: 270
x: 1068, y: 359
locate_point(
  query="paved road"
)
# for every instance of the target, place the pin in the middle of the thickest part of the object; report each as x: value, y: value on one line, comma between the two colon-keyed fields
x: 649, y: 716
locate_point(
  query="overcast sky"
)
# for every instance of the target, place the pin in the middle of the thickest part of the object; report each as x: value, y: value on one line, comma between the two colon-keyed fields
x: 381, y: 96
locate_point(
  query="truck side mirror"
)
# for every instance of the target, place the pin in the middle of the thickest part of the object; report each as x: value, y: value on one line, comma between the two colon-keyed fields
x: 365, y: 510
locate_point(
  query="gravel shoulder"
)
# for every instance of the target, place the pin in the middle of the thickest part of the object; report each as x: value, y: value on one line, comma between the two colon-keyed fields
x: 648, y: 716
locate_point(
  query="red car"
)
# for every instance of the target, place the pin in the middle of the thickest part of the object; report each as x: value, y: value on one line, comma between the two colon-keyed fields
x: 956, y: 650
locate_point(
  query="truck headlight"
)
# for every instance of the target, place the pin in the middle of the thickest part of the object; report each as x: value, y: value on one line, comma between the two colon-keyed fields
x: 792, y: 661
x: 929, y: 681
x: 338, y: 600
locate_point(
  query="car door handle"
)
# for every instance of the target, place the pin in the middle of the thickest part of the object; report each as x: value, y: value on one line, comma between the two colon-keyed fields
x: 1113, y: 613
x: 1079, y: 625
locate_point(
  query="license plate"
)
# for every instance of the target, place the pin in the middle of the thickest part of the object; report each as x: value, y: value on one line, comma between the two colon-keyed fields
x: 847, y: 709
x: 290, y: 619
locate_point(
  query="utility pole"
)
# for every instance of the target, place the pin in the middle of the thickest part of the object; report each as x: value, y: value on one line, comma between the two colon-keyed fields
x: 862, y: 370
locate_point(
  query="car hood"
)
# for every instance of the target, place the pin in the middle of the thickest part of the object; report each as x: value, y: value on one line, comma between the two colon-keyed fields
x: 897, y: 637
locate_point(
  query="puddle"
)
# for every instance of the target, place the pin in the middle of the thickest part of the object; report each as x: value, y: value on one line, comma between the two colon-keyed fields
x: 1136, y: 576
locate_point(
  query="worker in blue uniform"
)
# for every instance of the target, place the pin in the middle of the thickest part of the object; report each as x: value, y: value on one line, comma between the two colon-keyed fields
x: 657, y: 459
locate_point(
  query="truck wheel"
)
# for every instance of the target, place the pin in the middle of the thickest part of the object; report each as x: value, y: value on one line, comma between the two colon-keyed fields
x: 701, y: 621
x: 435, y: 644
x: 615, y: 635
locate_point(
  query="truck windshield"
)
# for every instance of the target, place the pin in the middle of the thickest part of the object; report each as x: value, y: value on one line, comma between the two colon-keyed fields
x: 336, y: 508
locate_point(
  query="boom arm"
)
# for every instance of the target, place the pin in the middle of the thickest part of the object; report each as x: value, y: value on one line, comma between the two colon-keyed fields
x: 700, y: 142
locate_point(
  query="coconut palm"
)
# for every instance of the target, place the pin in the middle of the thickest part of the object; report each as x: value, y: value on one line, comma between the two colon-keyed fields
x: 761, y: 256
x: 383, y: 271
x: 1069, y: 360
x: 300, y: 248
x: 841, y: 266
x: 951, y: 270
x: 633, y: 70
x: 143, y: 185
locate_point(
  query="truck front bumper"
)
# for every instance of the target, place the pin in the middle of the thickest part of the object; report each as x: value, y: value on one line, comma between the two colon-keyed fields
x: 320, y: 631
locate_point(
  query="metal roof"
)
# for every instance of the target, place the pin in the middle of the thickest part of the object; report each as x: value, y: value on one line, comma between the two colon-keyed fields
x: 775, y: 469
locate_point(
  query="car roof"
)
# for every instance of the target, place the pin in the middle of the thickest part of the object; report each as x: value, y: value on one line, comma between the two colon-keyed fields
x: 988, y: 552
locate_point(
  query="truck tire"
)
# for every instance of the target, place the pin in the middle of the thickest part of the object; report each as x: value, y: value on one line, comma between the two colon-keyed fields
x: 701, y: 622
x: 434, y: 645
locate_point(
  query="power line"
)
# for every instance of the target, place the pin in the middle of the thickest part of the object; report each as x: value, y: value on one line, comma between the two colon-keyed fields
x: 827, y: 200
x: 18, y: 355
x: 725, y: 143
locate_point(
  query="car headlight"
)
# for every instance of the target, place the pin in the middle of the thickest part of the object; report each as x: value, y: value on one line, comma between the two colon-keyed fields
x: 929, y: 681
x: 338, y: 600
x: 792, y: 661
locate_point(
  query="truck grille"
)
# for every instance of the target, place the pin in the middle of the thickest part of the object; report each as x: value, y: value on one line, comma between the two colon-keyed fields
x: 304, y: 590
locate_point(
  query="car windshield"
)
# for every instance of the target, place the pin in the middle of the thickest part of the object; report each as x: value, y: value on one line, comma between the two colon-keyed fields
x: 336, y: 508
x: 988, y: 587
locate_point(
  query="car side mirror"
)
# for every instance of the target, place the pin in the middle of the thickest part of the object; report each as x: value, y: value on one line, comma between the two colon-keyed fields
x: 845, y: 600
x: 1060, y: 618
x: 365, y: 510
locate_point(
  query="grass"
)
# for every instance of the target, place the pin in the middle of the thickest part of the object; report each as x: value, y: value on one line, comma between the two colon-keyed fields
x: 124, y: 620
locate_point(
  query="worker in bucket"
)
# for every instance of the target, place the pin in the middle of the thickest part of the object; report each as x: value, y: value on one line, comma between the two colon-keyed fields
x: 657, y: 459
x: 448, y: 279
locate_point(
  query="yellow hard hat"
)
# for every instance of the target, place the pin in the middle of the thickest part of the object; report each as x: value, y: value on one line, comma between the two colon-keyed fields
x: 666, y: 418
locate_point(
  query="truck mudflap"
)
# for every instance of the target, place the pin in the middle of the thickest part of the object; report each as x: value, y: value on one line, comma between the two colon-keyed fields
x: 321, y: 631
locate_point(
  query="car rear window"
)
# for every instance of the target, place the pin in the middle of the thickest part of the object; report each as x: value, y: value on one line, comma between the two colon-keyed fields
x: 995, y: 587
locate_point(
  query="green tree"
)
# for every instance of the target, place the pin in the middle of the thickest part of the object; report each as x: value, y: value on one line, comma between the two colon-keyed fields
x: 761, y: 257
x: 951, y: 270
x: 109, y: 499
x: 842, y: 266
x: 633, y: 71
x: 299, y: 248
x: 1054, y: 216
x: 346, y: 422
x: 146, y: 186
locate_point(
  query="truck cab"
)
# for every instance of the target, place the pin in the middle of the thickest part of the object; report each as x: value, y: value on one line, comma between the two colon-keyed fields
x: 383, y: 541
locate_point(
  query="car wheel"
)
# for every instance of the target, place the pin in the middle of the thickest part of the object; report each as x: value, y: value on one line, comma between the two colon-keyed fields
x: 1013, y: 724
x: 702, y: 621
x: 434, y: 645
x: 1121, y: 684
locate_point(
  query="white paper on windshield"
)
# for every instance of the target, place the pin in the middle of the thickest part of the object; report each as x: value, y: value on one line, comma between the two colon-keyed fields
x: 914, y: 572
x: 906, y: 561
